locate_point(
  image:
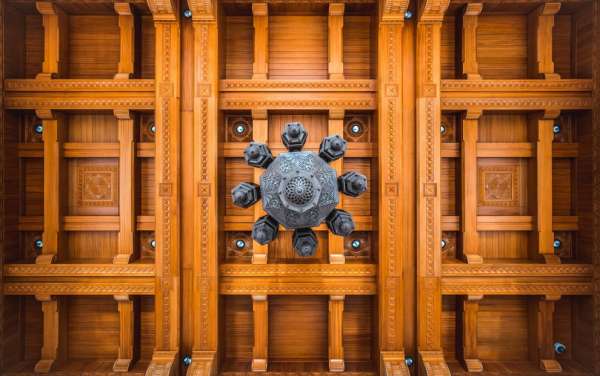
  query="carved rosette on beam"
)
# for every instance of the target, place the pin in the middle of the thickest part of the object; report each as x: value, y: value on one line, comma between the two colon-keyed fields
x: 428, y: 116
x: 167, y: 186
x: 392, y: 233
x: 205, y: 141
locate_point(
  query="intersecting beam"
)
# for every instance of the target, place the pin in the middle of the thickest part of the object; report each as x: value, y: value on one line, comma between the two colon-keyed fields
x: 54, y: 332
x: 336, y: 41
x: 540, y: 24
x: 125, y: 69
x: 336, y: 243
x: 470, y: 251
x: 470, y: 17
x: 428, y: 115
x: 541, y: 133
x: 336, y: 318
x: 260, y: 133
x: 260, y: 67
x: 54, y: 135
x: 470, y: 357
x: 125, y: 306
x: 127, y: 218
x: 56, y: 31
x: 260, y: 349
x: 541, y: 332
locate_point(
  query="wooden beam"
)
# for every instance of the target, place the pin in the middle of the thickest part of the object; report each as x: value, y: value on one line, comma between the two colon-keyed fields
x: 53, y: 136
x: 260, y: 67
x: 56, y: 32
x: 54, y: 332
x: 336, y: 41
x: 470, y: 251
x: 522, y: 285
x: 517, y: 270
x: 468, y: 321
x: 428, y: 115
x: 127, y: 218
x: 306, y: 271
x: 335, y: 348
x: 541, y: 332
x: 125, y: 306
x: 310, y: 85
x: 125, y: 69
x: 260, y: 349
x: 540, y: 24
x: 260, y: 133
x: 542, y: 135
x: 336, y: 127
x: 167, y: 174
x: 81, y: 270
x: 392, y: 186
x: 470, y: 18
x: 302, y: 100
x: 205, y: 178
x: 294, y: 285
x: 82, y: 286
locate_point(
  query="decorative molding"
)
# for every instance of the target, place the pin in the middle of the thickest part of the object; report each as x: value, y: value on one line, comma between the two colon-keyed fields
x: 432, y: 10
x: 392, y: 11
x: 297, y: 85
x: 203, y: 10
x: 163, y: 10
x: 393, y: 364
x: 516, y: 286
x: 288, y: 285
x: 567, y: 102
x: 517, y: 270
x: 145, y: 286
x: 96, y: 102
x: 298, y: 270
x: 203, y: 364
x: 162, y: 364
x: 306, y: 101
x: 77, y: 85
x: 433, y: 363
x: 584, y: 85
x: 78, y: 270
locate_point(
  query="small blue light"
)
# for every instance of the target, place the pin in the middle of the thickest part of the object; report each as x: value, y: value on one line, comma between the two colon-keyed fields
x: 153, y: 243
x: 559, y: 348
x: 38, y: 129
x: 355, y: 244
x: 240, y: 244
x: 38, y: 243
x: 408, y: 15
x: 187, y: 13
x: 557, y: 243
x: 556, y: 129
x: 409, y: 361
x: 443, y: 243
x: 187, y: 360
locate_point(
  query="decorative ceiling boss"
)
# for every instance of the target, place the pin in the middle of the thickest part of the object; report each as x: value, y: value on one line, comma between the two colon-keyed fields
x: 299, y: 190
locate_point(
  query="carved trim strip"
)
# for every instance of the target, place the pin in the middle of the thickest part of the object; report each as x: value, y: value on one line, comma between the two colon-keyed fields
x: 308, y: 101
x: 297, y: 85
x: 68, y: 270
x: 265, y: 286
x: 521, y: 103
x: 79, y: 85
x: 551, y: 286
x: 517, y: 85
x: 145, y: 287
x: 290, y: 270
x: 75, y: 103
x: 523, y: 270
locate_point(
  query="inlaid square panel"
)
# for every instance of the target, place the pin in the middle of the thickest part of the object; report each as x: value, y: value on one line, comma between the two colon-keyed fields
x: 502, y: 186
x: 93, y: 186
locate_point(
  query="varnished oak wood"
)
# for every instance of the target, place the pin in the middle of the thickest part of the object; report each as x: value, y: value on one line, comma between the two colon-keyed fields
x: 493, y: 300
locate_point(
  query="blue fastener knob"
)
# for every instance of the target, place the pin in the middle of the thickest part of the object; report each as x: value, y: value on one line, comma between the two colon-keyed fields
x: 559, y: 348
